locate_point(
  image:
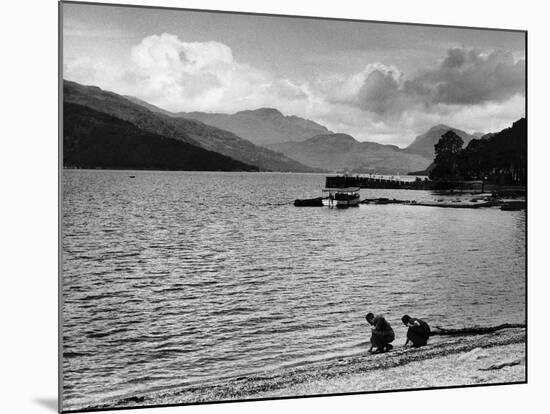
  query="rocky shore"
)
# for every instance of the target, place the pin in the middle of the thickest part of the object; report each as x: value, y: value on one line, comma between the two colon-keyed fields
x: 455, y: 359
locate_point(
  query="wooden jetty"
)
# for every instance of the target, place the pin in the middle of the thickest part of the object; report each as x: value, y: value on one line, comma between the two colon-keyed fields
x: 373, y: 181
x: 337, y: 181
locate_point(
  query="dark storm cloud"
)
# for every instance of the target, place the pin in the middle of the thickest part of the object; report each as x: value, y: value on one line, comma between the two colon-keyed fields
x: 472, y: 77
x: 464, y: 77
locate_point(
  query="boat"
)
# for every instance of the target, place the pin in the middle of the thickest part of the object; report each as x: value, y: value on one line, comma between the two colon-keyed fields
x: 343, y: 197
x: 309, y: 202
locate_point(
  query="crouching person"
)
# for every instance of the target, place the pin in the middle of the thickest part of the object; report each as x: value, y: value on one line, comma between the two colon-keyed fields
x: 382, y: 333
x: 418, y: 333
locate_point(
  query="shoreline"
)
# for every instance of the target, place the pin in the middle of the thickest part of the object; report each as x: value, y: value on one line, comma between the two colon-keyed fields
x: 490, y: 358
x: 480, y: 366
x: 474, y: 203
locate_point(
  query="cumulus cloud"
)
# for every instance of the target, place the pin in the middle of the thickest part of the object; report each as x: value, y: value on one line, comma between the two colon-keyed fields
x: 205, y: 76
x: 464, y: 77
x: 379, y: 92
x: 168, y: 55
x: 175, y: 73
x: 185, y: 76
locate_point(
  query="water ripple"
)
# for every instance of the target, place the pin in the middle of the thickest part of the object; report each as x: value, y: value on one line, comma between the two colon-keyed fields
x: 183, y: 277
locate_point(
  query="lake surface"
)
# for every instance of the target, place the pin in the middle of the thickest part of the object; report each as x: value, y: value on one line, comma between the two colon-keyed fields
x: 173, y: 278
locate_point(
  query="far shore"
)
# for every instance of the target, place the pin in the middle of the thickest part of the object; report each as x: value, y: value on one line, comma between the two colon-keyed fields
x: 491, y: 358
x: 159, y: 170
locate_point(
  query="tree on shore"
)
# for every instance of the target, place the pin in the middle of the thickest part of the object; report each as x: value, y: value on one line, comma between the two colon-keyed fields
x: 447, y: 155
x: 498, y: 158
x: 501, y: 158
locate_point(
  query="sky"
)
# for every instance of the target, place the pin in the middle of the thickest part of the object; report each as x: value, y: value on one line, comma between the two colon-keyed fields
x: 378, y: 82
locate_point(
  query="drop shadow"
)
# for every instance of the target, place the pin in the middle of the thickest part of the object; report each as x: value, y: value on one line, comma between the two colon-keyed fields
x: 49, y: 403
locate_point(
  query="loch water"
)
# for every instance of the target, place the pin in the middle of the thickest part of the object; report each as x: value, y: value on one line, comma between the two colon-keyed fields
x: 173, y: 278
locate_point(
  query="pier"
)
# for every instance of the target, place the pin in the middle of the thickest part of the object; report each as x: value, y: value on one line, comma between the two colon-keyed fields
x: 388, y: 182
x: 340, y: 181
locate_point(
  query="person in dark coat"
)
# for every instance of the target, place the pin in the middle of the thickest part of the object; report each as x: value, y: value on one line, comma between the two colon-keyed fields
x: 418, y: 333
x: 382, y: 333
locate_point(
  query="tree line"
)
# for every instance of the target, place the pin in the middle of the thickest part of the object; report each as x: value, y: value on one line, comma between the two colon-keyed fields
x: 499, y: 158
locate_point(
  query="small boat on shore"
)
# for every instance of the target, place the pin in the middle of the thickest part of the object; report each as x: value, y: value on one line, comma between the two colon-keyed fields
x: 343, y: 197
x: 309, y: 202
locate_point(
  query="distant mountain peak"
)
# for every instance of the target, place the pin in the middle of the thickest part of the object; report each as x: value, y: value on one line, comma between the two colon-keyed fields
x: 262, y: 126
x: 424, y: 144
x: 264, y: 112
x: 440, y: 127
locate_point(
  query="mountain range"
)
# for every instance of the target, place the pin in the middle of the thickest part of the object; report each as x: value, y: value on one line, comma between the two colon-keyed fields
x: 337, y: 152
x: 262, y: 139
x: 313, y: 144
x: 262, y: 126
x: 191, y: 132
